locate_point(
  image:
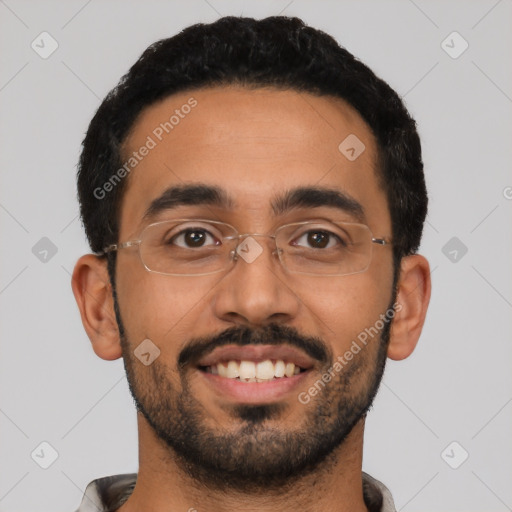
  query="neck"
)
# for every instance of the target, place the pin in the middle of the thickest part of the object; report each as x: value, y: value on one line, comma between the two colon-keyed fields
x: 163, y: 486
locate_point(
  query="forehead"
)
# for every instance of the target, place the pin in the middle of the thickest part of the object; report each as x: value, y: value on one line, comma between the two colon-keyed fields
x: 254, y: 144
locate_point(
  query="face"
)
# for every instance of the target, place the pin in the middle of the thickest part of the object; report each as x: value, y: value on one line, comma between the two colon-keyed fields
x: 256, y: 146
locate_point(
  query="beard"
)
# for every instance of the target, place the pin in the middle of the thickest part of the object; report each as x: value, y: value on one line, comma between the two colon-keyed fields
x: 254, y: 453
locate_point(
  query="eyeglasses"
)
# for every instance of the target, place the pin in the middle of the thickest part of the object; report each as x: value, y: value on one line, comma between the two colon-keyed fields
x: 198, y: 247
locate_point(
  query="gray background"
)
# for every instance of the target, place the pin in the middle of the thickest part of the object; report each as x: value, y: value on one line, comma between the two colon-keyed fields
x: 457, y: 384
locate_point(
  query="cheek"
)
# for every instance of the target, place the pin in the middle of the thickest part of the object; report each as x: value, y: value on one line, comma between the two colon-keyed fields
x: 346, y: 308
x: 165, y: 309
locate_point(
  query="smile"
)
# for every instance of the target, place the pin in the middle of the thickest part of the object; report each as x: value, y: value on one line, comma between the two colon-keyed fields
x: 255, y: 374
x: 254, y: 371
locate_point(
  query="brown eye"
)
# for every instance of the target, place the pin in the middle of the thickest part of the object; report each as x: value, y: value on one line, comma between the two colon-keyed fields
x: 193, y: 238
x: 319, y: 239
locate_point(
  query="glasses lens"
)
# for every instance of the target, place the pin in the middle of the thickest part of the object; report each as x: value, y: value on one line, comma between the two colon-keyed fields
x: 187, y: 247
x: 325, y: 248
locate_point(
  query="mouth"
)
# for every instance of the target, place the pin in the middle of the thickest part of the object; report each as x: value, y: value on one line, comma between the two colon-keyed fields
x: 255, y: 373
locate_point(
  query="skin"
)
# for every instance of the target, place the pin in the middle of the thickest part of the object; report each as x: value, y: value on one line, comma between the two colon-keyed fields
x: 253, y: 143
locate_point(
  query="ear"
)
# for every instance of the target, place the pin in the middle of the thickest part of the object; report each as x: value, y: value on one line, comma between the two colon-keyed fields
x: 413, y: 296
x: 93, y: 294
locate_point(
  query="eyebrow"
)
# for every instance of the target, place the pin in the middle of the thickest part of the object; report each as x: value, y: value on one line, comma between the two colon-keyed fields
x: 299, y: 197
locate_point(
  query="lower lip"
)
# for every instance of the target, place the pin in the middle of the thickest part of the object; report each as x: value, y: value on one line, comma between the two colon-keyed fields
x: 254, y: 392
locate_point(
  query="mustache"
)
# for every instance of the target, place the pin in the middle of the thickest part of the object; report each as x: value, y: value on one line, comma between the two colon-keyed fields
x: 270, y: 334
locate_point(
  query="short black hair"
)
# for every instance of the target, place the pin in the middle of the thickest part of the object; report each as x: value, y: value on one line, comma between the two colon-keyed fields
x: 279, y: 52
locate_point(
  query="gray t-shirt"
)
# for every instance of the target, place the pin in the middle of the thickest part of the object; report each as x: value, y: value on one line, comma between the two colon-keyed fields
x: 107, y: 494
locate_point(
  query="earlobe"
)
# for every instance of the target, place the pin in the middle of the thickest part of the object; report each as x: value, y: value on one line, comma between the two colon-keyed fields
x: 93, y: 294
x: 412, y: 301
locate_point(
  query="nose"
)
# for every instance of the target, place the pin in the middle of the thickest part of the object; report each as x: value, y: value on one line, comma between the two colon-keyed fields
x: 256, y: 290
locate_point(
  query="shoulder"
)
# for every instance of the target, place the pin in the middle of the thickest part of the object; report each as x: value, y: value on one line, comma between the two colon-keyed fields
x: 377, y: 496
x: 108, y: 493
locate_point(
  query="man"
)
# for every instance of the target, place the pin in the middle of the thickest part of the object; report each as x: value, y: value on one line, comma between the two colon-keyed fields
x: 255, y: 198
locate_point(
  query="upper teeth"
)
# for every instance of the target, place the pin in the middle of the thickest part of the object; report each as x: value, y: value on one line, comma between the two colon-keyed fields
x: 254, y: 372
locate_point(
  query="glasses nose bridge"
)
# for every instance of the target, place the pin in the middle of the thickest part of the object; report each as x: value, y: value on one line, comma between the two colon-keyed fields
x: 243, y: 236
x: 255, y: 234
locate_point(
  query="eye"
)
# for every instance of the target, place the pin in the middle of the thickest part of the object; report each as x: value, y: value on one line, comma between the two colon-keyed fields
x: 320, y: 239
x: 193, y: 238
